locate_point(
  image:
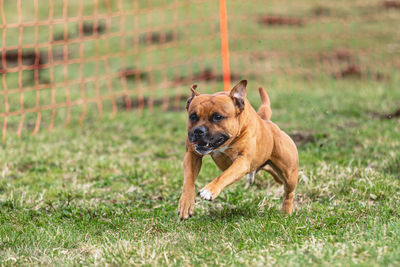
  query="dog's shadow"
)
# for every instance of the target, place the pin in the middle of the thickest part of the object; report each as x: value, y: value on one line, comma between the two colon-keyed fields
x: 234, y: 214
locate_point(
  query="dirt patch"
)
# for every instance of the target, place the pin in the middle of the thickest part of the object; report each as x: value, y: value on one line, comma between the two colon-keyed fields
x: 134, y: 74
x: 88, y: 28
x: 350, y: 71
x: 276, y: 20
x: 338, y: 55
x: 28, y: 58
x: 391, y: 4
x: 60, y: 36
x: 320, y: 11
x: 378, y: 76
x: 172, y: 103
x: 37, y: 61
x: 259, y: 56
x: 157, y: 38
x: 391, y: 115
x: 302, y: 138
x: 353, y: 71
x: 343, y: 55
x: 206, y: 75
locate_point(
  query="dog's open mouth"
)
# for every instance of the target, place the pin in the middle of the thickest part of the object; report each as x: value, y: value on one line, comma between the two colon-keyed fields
x: 220, y: 141
x: 205, y: 148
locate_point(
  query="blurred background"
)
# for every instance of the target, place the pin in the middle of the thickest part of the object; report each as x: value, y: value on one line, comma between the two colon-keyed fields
x: 62, y: 62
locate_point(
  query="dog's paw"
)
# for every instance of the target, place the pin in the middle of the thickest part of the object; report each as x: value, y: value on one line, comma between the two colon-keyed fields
x: 186, y: 206
x: 205, y: 194
x: 208, y: 193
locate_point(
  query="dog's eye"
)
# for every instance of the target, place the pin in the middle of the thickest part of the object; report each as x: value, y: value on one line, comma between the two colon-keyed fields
x: 217, y: 117
x: 193, y: 117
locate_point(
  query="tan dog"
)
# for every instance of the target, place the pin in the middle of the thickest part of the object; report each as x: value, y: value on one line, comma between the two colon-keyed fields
x: 240, y: 141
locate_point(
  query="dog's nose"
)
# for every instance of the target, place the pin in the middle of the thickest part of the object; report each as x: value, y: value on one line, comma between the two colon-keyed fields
x: 199, y: 131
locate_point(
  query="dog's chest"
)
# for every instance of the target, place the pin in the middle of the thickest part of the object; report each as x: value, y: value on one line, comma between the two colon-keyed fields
x: 223, y: 157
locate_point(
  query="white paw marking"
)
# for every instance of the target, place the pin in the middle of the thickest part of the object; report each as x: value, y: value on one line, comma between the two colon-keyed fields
x: 250, y: 177
x: 205, y: 194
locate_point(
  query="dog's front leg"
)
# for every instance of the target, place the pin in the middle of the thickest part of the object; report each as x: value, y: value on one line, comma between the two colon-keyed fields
x: 239, y: 167
x: 191, y: 168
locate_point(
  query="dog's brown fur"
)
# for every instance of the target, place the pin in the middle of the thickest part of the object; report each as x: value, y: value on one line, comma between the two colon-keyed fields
x: 253, y: 143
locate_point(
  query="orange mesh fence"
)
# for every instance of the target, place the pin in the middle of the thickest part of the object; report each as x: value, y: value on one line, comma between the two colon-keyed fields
x: 62, y: 61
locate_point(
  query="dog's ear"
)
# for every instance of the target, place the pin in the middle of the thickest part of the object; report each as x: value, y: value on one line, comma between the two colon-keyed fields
x: 238, y: 94
x: 194, y: 93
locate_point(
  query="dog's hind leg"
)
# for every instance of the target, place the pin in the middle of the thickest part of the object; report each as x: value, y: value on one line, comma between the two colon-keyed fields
x: 289, y: 187
x: 288, y: 177
x: 285, y: 164
x: 251, y: 175
x: 273, y: 173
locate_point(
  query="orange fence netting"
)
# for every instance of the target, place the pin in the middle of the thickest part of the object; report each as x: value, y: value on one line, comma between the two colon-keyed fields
x: 62, y: 61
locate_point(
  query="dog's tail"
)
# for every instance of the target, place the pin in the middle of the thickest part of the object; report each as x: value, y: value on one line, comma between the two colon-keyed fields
x: 264, y: 111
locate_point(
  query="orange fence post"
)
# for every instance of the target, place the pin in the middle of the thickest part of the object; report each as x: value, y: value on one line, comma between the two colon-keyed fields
x: 226, y: 73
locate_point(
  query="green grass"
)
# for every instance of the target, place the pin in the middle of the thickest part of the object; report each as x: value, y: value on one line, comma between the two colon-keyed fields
x: 107, y: 192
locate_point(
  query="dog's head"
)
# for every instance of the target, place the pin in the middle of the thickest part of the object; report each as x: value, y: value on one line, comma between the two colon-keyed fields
x: 214, y: 119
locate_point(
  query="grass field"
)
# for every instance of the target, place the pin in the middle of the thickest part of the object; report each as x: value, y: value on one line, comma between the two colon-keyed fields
x: 107, y: 192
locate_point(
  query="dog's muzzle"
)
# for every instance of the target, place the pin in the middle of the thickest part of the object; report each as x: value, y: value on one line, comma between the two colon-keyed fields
x: 204, y: 143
